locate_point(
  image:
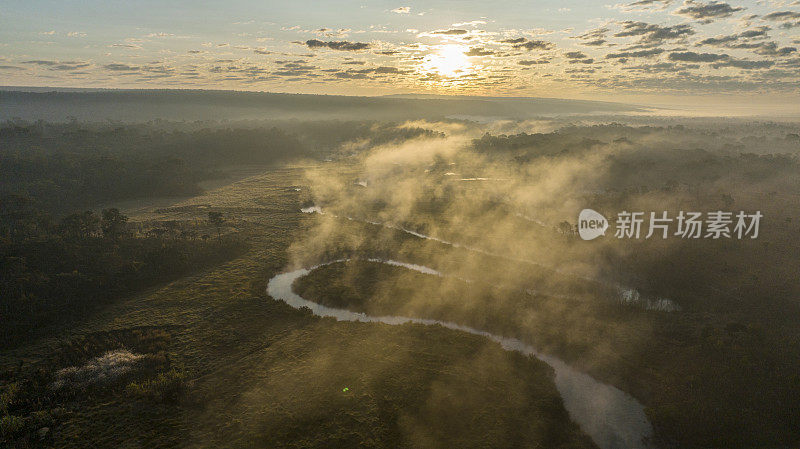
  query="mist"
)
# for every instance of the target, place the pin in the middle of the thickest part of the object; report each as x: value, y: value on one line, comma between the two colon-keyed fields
x: 490, y: 209
x: 349, y: 271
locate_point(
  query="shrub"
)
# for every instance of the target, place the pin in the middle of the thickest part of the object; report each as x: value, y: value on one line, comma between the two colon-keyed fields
x: 11, y: 425
x: 168, y: 386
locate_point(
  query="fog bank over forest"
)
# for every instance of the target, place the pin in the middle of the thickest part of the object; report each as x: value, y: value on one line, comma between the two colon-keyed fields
x: 461, y: 210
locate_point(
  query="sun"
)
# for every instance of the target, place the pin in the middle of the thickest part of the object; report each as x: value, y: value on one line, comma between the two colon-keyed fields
x: 449, y: 60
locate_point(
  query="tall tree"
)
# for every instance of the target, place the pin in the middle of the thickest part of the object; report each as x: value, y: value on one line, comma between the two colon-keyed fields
x: 79, y: 225
x: 113, y: 224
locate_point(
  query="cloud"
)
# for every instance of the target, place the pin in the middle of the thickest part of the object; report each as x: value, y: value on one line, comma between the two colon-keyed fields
x: 636, y: 54
x: 535, y: 62
x: 389, y: 70
x: 364, y: 74
x: 132, y: 46
x: 535, y: 45
x: 121, y: 67
x: 661, y: 67
x: 40, y: 62
x: 578, y: 71
x: 749, y: 40
x: 771, y: 49
x: 351, y: 75
x: 744, y: 64
x: 291, y: 72
x: 594, y: 38
x: 690, y: 56
x: 299, y: 65
x: 58, y: 65
x: 575, y: 55
x: 653, y: 34
x: 327, y: 32
x: 402, y: 10
x: 595, y: 43
x: 791, y: 63
x: 529, y: 45
x: 706, y: 12
x: 596, y: 33
x: 158, y: 69
x: 454, y: 32
x: 760, y: 32
x: 479, y: 51
x: 779, y: 16
x: 643, y: 5
x: 578, y: 57
x: 473, y: 23
x: 337, y: 45
x: 789, y: 19
x: 244, y: 70
x: 383, y: 70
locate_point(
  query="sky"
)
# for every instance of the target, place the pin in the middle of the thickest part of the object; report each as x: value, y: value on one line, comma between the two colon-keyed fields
x: 657, y: 50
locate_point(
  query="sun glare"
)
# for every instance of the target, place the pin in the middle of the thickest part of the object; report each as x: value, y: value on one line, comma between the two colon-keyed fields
x: 449, y: 60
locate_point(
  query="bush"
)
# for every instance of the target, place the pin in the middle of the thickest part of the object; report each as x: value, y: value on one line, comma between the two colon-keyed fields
x: 166, y: 387
x: 8, y: 395
x: 11, y: 425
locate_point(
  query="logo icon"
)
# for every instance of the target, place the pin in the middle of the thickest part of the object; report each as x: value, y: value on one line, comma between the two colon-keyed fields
x: 591, y: 224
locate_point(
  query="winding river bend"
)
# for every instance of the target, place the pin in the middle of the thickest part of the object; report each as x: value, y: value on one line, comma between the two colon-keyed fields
x: 612, y: 418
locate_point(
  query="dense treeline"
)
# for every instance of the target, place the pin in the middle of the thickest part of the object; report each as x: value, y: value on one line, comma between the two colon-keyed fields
x: 63, y: 269
x: 64, y: 181
x: 643, y: 162
x: 202, y: 142
x: 60, y: 259
x: 756, y: 137
x: 68, y: 166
